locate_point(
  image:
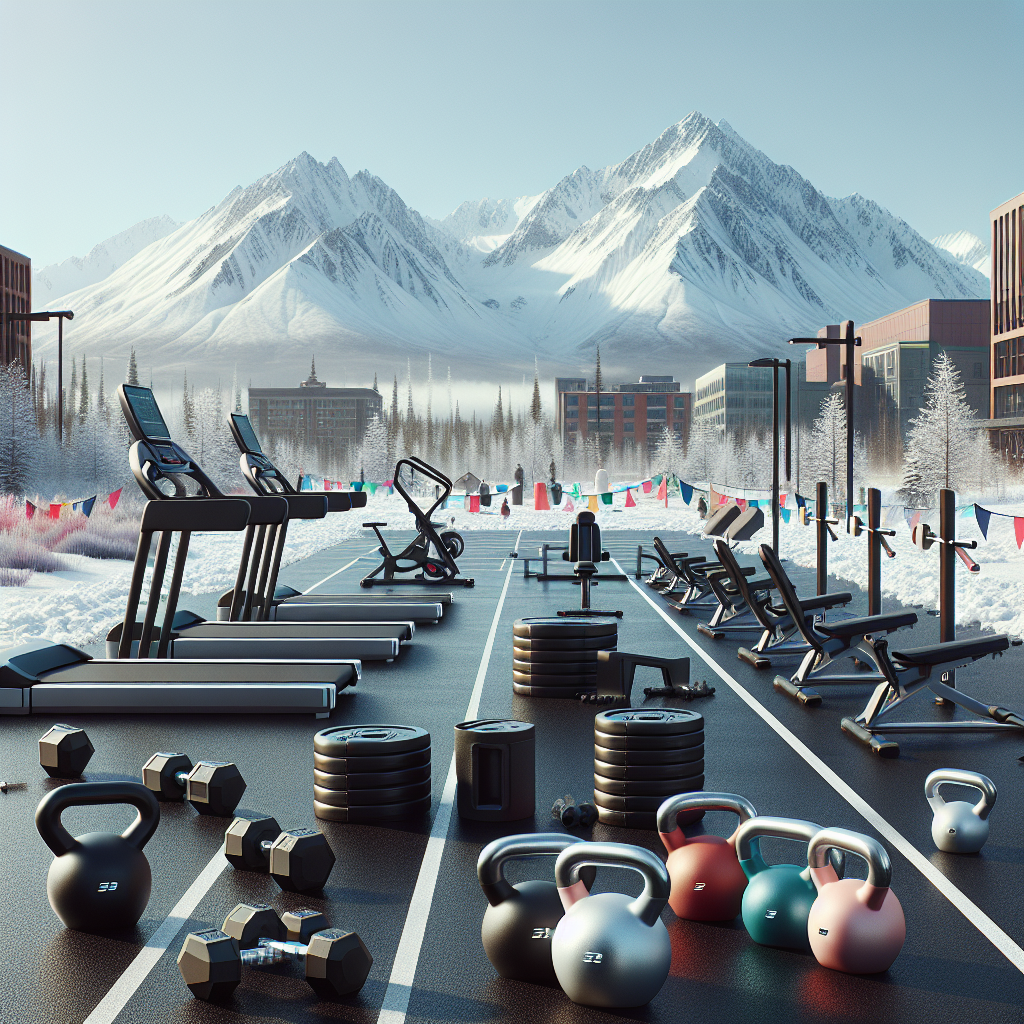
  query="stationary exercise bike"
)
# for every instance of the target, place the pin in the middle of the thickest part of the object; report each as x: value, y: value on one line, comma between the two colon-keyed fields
x: 430, y: 557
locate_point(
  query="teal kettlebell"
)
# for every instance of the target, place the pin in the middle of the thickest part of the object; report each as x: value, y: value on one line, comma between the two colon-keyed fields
x: 778, y: 897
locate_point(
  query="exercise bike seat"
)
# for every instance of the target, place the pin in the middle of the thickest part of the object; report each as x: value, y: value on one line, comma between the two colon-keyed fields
x: 954, y: 650
x: 374, y: 524
x: 866, y: 625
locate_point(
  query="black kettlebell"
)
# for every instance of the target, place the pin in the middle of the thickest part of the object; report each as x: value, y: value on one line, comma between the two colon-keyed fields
x: 99, y: 882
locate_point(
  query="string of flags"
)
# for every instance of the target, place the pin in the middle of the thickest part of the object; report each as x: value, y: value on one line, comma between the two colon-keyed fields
x: 320, y: 483
x: 53, y: 509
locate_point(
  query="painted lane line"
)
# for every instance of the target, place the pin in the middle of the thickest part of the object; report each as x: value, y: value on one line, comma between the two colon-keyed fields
x: 156, y: 945
x: 335, y: 573
x: 403, y: 973
x: 970, y: 910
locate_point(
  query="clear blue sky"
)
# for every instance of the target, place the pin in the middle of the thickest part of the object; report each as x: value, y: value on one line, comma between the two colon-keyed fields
x: 127, y: 110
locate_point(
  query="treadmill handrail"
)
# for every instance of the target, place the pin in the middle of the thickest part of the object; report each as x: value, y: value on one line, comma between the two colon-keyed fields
x: 209, y: 515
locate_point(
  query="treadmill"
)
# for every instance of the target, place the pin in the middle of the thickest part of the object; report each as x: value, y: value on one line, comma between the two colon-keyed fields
x: 160, y: 465
x: 284, y: 604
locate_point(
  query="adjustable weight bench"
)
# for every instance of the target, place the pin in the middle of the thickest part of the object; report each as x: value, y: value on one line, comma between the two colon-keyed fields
x: 585, y: 551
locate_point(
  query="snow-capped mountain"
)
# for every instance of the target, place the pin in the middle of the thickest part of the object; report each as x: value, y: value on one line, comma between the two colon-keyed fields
x: 694, y: 250
x: 77, y: 272
x: 967, y: 248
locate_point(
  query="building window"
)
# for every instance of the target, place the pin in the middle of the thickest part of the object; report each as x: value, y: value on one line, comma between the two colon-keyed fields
x: 572, y: 399
x: 978, y: 371
x: 628, y: 399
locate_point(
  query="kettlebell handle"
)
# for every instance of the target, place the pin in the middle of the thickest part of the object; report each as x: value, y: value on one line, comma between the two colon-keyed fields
x: 490, y: 866
x: 766, y: 825
x: 669, y: 811
x: 81, y: 794
x: 657, y: 884
x: 873, y: 891
x: 961, y: 777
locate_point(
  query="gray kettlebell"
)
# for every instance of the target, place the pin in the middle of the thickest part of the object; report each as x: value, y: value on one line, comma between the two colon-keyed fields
x: 611, y: 950
x: 98, y: 882
x: 520, y: 920
x: 957, y: 826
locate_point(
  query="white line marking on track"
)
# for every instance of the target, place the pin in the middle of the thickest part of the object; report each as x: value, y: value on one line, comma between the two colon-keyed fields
x: 970, y: 910
x: 135, y: 973
x: 335, y: 573
x: 403, y: 973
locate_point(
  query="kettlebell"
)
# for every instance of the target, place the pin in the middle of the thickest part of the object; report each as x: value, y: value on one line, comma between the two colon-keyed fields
x: 99, y: 882
x: 707, y: 880
x: 853, y: 926
x: 520, y: 919
x: 957, y: 826
x: 609, y: 949
x: 778, y: 898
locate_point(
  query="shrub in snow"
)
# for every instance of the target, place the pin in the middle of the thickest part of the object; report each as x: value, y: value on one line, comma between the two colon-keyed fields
x: 14, y: 577
x: 117, y: 539
x: 18, y: 551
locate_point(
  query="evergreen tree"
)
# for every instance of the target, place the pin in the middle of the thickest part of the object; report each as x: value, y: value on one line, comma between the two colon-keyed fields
x: 132, y: 375
x: 535, y: 406
x: 375, y: 383
x: 597, y: 372
x: 498, y: 419
x: 19, y: 434
x: 188, y: 418
x: 101, y: 397
x: 84, y: 398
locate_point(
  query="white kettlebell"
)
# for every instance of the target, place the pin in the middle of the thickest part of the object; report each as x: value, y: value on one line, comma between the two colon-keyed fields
x: 957, y: 826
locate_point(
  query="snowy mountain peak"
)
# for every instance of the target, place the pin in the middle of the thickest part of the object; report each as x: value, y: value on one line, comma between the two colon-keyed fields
x: 966, y: 247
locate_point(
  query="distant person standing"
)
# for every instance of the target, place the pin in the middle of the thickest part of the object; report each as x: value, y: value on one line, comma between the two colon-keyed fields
x: 505, y: 510
x: 517, y: 491
x: 702, y: 508
x: 485, y: 493
x: 551, y: 469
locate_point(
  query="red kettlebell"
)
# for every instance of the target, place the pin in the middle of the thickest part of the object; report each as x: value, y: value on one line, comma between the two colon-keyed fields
x: 707, y: 880
x: 854, y: 926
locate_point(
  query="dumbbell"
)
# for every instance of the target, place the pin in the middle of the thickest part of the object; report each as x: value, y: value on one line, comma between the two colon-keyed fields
x: 211, y: 787
x: 298, y: 859
x: 564, y: 809
x: 250, y: 922
x: 336, y: 962
x: 64, y: 751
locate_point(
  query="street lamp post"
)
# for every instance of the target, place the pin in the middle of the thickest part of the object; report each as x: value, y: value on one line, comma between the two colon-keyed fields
x: 851, y: 342
x: 61, y: 315
x: 775, y: 364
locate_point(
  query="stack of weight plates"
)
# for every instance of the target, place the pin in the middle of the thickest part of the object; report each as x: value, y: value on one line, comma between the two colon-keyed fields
x: 554, y: 657
x: 371, y: 773
x: 642, y: 757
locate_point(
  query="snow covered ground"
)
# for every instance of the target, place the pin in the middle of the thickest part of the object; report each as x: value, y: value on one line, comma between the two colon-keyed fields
x: 77, y: 606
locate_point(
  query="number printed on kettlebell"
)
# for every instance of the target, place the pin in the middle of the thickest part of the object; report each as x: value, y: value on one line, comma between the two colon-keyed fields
x: 107, y: 887
x: 770, y: 914
x: 698, y: 886
x: 542, y: 933
x: 823, y: 931
x: 593, y: 958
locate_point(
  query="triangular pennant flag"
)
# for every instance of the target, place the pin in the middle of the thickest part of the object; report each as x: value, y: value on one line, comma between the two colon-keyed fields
x: 647, y: 485
x: 714, y: 498
x: 686, y: 492
x: 742, y: 502
x: 782, y: 500
x: 592, y: 503
x: 630, y: 503
x: 983, y: 516
x: 657, y: 478
x: 569, y: 506
x: 1018, y: 529
x: 87, y: 506
x: 30, y: 509
x: 55, y: 510
x: 785, y: 513
x: 606, y: 498
x: 373, y: 488
x: 328, y: 486
x: 662, y: 490
x: 801, y: 501
x: 113, y: 499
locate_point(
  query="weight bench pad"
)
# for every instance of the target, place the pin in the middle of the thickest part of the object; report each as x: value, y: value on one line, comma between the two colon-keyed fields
x: 826, y: 601
x: 955, y: 650
x: 867, y: 624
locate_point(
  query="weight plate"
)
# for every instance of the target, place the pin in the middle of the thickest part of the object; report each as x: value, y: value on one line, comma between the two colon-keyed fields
x: 640, y: 758
x: 572, y: 692
x: 641, y: 819
x: 372, y: 780
x: 371, y: 797
x: 584, y: 680
x: 586, y: 643
x: 379, y: 763
x: 648, y: 787
x: 521, y: 657
x: 559, y: 629
x: 637, y: 803
x: 633, y: 773
x: 653, y: 722
x: 348, y: 740
x: 372, y: 815
x: 648, y: 743
x: 573, y: 670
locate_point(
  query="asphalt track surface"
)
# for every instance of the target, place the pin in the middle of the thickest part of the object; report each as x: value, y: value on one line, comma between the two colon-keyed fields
x: 411, y: 891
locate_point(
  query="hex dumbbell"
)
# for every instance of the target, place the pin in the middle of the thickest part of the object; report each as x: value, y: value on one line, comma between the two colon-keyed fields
x: 298, y: 859
x: 64, y: 751
x: 211, y: 787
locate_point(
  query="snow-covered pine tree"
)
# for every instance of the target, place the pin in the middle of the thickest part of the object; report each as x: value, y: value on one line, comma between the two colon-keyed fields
x: 84, y: 398
x: 19, y: 433
x: 498, y: 419
x: 704, y: 452
x: 667, y: 457
x: 71, y: 397
x: 535, y: 405
x: 101, y: 397
x: 824, y: 457
x: 132, y: 373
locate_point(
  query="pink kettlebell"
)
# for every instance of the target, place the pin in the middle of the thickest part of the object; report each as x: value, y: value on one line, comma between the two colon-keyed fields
x: 854, y: 926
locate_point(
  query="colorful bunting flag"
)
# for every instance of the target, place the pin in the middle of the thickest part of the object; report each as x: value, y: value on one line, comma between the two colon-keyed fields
x: 373, y: 488
x: 30, y: 509
x: 647, y: 486
x: 983, y: 516
x: 115, y: 497
x: 1018, y: 529
x: 569, y: 506
x: 55, y: 508
x: 630, y: 503
x: 785, y: 513
x: 663, y: 490
x: 686, y: 492
x: 606, y: 498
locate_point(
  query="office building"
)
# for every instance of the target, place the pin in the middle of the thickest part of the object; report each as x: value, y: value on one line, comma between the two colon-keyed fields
x: 1006, y: 403
x: 335, y: 418
x: 15, y: 297
x: 737, y: 398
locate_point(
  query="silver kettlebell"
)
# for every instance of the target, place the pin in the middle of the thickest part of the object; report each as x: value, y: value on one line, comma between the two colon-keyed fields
x: 611, y: 950
x: 957, y: 826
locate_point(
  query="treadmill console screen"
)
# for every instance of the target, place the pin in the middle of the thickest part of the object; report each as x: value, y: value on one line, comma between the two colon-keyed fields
x: 147, y: 413
x: 246, y: 433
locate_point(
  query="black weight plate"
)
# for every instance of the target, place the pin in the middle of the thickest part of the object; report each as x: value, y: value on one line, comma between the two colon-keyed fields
x: 560, y: 629
x: 528, y: 668
x: 648, y: 787
x: 633, y: 773
x: 648, y: 743
x: 653, y: 722
x: 640, y: 758
x: 349, y: 740
x: 380, y: 763
x: 372, y: 780
x: 371, y: 815
x: 572, y: 692
x: 370, y: 797
x: 585, y: 643
x: 635, y: 803
x: 520, y: 657
x: 586, y: 680
x: 641, y: 819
